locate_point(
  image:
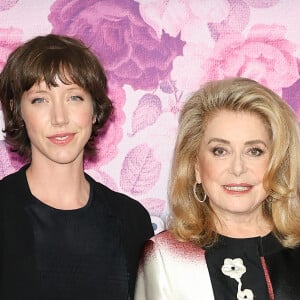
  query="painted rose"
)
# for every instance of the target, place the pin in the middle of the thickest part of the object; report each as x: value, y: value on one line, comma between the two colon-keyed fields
x: 187, y: 17
x: 129, y: 49
x: 264, y: 55
x: 239, y: 16
x: 259, y: 3
x: 187, y: 71
x: 10, y: 38
x: 7, y: 4
x: 6, y: 166
x: 292, y: 96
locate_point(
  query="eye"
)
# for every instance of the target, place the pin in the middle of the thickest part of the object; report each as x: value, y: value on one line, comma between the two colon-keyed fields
x: 37, y: 100
x: 219, y: 151
x: 255, y: 151
x: 76, y: 98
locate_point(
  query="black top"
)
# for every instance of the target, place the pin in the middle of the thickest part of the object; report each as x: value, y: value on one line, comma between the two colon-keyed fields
x: 86, y: 253
x: 236, y: 267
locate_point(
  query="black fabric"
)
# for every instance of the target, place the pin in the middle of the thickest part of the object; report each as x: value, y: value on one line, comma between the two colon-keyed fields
x: 86, y: 253
x: 249, y: 250
x: 283, y: 267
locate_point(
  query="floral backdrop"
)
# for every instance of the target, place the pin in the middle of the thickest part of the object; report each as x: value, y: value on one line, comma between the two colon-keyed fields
x: 156, y: 53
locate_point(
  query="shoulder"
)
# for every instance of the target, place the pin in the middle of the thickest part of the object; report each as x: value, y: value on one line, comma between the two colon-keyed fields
x: 14, y: 197
x: 133, y: 215
x: 9, y: 179
x: 164, y: 239
x: 119, y: 202
x: 165, y: 242
x: 11, y: 182
x: 292, y: 253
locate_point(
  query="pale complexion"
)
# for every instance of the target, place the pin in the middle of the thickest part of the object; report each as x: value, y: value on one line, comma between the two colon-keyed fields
x: 59, y: 122
x: 233, y: 159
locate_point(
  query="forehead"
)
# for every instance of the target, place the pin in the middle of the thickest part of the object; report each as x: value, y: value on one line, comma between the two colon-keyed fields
x: 236, y: 127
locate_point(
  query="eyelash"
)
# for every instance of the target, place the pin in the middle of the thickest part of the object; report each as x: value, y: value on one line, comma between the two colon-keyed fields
x: 216, y: 149
x: 76, y: 98
x: 41, y: 100
x: 37, y: 100
x: 258, y: 151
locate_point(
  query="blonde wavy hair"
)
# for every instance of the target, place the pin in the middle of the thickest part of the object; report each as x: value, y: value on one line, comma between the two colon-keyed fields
x: 194, y: 221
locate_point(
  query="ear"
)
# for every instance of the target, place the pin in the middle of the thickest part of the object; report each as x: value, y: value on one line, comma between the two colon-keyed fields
x: 94, y: 119
x: 197, y: 173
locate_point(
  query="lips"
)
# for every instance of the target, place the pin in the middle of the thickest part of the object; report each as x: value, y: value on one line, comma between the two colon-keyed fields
x: 61, y: 138
x: 238, y: 188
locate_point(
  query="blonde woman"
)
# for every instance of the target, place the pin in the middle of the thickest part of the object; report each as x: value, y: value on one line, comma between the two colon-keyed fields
x: 234, y: 228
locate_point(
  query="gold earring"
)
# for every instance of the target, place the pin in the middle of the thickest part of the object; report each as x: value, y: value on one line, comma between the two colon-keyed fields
x: 195, y: 193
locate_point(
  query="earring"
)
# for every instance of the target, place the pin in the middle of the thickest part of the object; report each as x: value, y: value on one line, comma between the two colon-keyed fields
x: 269, y: 200
x: 195, y: 193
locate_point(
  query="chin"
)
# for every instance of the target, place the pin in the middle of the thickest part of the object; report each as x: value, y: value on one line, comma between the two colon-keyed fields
x: 67, y: 159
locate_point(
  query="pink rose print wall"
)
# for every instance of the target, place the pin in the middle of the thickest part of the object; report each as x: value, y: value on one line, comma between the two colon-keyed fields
x: 156, y: 53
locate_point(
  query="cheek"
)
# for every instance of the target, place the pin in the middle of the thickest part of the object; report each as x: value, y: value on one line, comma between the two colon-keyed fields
x: 208, y: 170
x: 86, y: 120
x: 261, y: 173
x: 260, y: 170
x: 83, y: 117
x: 32, y: 123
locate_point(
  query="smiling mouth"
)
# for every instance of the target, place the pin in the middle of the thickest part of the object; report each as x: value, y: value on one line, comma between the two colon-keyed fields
x: 237, y: 188
x: 61, y: 139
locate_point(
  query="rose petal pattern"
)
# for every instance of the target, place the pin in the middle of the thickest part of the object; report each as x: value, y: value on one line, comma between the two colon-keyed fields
x: 147, y: 112
x: 140, y: 170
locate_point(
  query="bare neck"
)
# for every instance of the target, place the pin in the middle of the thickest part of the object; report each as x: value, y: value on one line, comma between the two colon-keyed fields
x: 62, y: 186
x: 243, y: 226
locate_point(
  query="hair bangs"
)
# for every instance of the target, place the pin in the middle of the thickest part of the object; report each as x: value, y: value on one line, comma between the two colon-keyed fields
x: 53, y: 66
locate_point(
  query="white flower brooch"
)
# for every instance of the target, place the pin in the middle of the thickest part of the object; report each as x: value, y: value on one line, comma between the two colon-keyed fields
x: 234, y: 268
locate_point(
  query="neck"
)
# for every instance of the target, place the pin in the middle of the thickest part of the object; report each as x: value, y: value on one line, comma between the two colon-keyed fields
x: 62, y: 186
x: 243, y: 226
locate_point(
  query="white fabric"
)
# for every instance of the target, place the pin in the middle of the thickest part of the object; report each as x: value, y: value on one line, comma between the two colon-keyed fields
x: 172, y: 270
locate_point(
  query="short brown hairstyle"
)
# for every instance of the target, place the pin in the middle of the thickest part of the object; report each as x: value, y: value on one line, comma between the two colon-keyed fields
x: 46, y: 58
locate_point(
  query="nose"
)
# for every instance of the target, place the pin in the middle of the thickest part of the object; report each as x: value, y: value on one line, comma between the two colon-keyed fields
x: 238, y: 166
x: 59, y: 114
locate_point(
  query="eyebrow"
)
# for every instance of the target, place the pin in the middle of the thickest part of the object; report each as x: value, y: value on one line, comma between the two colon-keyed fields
x: 43, y: 90
x: 38, y: 91
x: 248, y: 143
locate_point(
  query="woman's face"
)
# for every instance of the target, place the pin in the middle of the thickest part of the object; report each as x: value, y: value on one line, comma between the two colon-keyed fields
x: 233, y: 158
x: 58, y: 122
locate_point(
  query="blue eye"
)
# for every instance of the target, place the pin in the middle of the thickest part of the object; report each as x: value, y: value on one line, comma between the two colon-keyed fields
x: 38, y: 100
x: 76, y: 98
